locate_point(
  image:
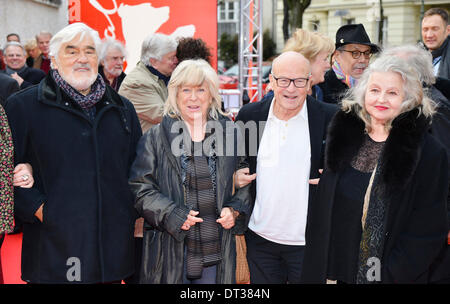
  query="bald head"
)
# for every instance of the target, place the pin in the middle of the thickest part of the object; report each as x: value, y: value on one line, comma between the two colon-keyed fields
x: 290, y: 84
x: 291, y: 61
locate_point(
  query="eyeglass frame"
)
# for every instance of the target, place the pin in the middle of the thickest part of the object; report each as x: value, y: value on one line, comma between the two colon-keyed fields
x: 290, y: 81
x: 360, y: 53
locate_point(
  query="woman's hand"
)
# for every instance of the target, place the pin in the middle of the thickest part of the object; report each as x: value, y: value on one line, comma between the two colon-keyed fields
x: 227, y: 217
x: 243, y: 177
x: 315, y: 181
x: 191, y: 220
x: 23, y: 176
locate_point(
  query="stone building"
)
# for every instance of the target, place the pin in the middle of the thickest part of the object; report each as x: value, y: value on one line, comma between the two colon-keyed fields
x: 28, y: 17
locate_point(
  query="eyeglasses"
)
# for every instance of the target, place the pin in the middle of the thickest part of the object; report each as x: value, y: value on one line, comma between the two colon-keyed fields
x: 356, y: 54
x: 286, y: 82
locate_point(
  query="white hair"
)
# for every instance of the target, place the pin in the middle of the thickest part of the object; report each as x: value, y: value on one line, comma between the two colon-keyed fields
x: 107, y: 45
x: 156, y: 46
x: 68, y: 33
x: 14, y: 43
x: 354, y: 99
x: 417, y: 57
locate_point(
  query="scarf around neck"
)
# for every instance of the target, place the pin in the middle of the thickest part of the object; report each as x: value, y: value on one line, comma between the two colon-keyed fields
x: 203, y: 247
x: 347, y: 79
x: 88, y: 102
x: 10, y: 71
x: 161, y: 76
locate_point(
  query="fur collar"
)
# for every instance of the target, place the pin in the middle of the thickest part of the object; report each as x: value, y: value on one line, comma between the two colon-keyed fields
x: 400, y: 154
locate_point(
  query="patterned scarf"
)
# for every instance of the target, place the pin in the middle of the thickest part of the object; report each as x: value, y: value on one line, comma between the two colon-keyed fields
x: 347, y: 79
x: 372, y: 238
x: 199, y: 178
x: 88, y: 102
x: 6, y: 175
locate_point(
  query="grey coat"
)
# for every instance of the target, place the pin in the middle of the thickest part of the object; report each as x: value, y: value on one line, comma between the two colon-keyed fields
x: 156, y: 181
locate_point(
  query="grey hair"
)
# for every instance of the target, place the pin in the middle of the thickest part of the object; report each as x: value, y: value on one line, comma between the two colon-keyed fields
x: 418, y: 58
x: 14, y: 43
x: 156, y: 46
x: 193, y: 72
x: 43, y: 33
x: 354, y: 100
x: 68, y: 33
x: 108, y: 44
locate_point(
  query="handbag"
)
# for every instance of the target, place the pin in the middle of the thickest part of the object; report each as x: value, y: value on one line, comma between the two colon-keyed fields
x: 242, y: 270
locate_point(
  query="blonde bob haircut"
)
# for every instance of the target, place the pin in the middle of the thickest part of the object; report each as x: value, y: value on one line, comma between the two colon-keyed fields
x: 309, y: 44
x: 193, y: 72
x: 354, y: 100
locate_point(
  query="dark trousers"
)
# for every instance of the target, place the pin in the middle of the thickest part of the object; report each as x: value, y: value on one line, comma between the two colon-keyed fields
x: 273, y: 263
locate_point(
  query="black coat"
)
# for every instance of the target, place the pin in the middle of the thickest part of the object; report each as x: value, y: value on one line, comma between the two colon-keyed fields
x: 444, y: 66
x: 333, y: 89
x: 156, y: 181
x: 31, y: 76
x: 319, y: 115
x: 81, y: 172
x: 7, y: 87
x: 414, y: 182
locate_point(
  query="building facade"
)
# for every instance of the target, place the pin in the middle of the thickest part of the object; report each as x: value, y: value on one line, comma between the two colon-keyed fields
x: 29, y: 17
x: 401, y: 22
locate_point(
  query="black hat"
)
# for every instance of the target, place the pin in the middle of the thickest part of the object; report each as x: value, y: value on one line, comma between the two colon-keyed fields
x: 354, y: 34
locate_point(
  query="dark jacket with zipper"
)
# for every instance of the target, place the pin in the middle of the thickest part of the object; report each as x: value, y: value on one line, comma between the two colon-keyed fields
x: 81, y: 172
x: 444, y: 66
x: 157, y: 183
x: 413, y: 183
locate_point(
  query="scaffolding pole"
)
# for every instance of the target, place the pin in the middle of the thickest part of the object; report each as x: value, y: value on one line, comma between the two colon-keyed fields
x: 250, y: 49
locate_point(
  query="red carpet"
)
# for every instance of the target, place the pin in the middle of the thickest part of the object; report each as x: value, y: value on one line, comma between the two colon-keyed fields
x: 11, y: 251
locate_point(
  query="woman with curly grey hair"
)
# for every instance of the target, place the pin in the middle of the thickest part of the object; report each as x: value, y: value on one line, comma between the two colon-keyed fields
x: 380, y: 214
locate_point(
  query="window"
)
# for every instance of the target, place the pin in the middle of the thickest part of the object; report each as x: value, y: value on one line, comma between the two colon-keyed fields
x: 228, y: 11
x: 316, y: 26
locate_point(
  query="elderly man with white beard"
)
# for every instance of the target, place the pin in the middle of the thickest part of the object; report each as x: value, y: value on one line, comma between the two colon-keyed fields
x: 80, y: 137
x: 112, y: 55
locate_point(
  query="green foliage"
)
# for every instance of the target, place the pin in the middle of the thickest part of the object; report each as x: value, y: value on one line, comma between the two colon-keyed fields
x: 228, y: 49
x: 269, y: 46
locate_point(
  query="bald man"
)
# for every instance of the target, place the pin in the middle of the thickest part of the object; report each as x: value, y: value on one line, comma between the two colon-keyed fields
x: 292, y: 129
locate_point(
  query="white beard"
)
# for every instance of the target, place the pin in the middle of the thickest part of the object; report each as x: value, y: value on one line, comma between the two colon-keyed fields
x: 81, y: 84
x: 114, y: 72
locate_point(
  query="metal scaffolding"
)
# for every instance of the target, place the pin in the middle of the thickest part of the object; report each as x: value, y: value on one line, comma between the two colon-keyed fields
x: 250, y: 50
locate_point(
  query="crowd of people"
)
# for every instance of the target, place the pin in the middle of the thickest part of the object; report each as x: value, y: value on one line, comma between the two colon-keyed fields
x: 340, y: 173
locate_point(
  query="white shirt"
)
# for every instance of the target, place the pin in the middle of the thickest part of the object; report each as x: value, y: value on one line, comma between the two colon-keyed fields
x: 283, y: 169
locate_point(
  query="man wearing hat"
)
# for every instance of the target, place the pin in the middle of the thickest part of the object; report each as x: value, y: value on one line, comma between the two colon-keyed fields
x: 351, y: 58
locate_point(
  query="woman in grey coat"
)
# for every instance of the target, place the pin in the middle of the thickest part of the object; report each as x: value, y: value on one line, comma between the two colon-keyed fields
x: 182, y: 180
